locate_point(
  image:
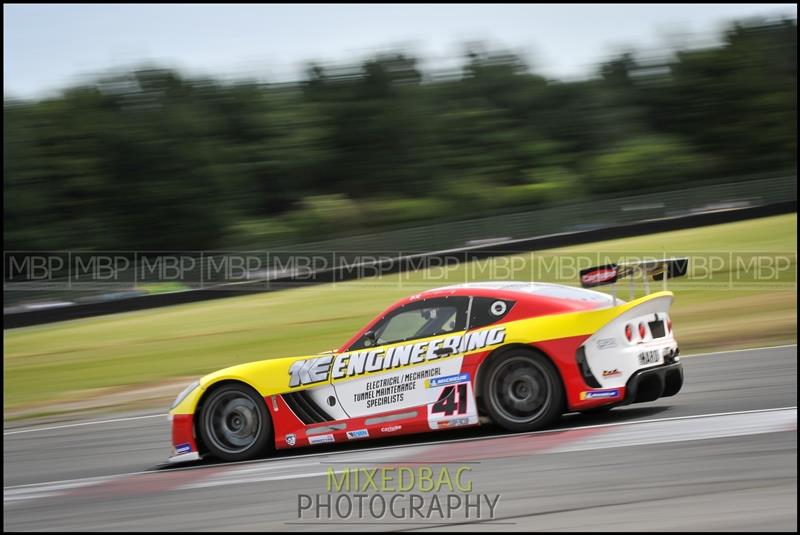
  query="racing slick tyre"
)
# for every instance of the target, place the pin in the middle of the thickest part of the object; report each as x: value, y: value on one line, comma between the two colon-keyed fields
x: 234, y: 423
x: 522, y: 391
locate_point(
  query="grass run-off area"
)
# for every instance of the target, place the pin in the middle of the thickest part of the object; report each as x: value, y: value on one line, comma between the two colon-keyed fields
x: 741, y: 292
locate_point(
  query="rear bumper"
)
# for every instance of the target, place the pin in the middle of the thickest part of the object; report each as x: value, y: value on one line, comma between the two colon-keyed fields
x: 653, y: 383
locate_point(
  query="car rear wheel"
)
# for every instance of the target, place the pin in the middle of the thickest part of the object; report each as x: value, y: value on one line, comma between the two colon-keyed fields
x: 234, y: 423
x: 522, y: 391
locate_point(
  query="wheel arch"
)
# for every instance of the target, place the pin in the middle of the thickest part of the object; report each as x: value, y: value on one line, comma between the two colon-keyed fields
x: 198, y: 437
x: 496, y: 353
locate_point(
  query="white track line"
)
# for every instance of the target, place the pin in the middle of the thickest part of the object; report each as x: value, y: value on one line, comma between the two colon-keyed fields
x: 662, y: 432
x: 164, y: 415
x: 681, y: 429
x: 469, y: 439
x: 397, y: 446
x: 84, y: 423
x: 688, y: 430
x: 738, y: 350
x: 255, y: 479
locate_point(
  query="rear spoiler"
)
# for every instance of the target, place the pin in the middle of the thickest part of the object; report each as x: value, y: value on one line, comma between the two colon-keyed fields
x: 659, y: 270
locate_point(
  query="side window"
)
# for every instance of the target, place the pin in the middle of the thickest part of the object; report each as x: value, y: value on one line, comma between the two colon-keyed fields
x: 421, y: 319
x: 487, y: 310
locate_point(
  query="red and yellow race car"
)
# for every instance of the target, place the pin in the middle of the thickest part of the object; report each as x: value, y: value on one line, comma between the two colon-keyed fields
x: 514, y: 353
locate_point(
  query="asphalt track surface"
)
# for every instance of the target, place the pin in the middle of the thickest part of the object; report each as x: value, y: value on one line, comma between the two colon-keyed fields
x: 721, y: 455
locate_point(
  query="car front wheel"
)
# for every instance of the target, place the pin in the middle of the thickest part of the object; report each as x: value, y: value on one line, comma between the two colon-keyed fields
x: 234, y: 423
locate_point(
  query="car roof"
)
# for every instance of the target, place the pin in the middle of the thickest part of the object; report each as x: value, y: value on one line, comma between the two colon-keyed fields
x: 542, y: 297
x: 522, y: 289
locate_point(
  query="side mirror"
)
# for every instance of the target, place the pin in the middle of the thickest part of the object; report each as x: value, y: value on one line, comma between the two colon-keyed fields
x: 369, y: 339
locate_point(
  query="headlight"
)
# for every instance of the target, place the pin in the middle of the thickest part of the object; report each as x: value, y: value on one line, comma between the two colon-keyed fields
x: 186, y: 391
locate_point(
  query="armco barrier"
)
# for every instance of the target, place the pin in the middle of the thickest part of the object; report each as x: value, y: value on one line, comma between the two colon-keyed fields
x: 36, y: 317
x: 452, y: 232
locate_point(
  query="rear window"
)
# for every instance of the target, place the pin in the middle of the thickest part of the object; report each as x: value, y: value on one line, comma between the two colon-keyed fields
x: 488, y: 310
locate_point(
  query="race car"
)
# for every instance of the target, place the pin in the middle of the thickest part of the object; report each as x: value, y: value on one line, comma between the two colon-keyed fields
x: 516, y: 354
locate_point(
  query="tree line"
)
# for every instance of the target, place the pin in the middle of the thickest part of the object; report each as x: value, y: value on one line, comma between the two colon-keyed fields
x: 155, y: 160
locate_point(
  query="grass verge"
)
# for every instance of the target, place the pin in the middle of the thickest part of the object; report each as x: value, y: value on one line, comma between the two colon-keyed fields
x: 719, y: 309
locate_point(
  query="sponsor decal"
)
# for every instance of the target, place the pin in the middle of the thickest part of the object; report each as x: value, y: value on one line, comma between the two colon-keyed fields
x: 612, y: 373
x: 183, y: 448
x: 447, y: 380
x: 453, y: 422
x: 597, y: 276
x: 392, y: 389
x: 649, y: 357
x: 597, y: 394
x: 391, y: 428
x: 358, y: 433
x: 498, y: 308
x: 606, y: 343
x: 321, y: 439
x: 452, y: 400
x: 357, y: 363
x: 291, y: 439
x: 455, y: 406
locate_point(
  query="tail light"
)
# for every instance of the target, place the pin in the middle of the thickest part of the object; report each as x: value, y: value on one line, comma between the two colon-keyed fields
x: 629, y: 332
x: 642, y: 332
x: 669, y: 325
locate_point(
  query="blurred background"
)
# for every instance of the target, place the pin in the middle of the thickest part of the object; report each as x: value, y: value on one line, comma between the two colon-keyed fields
x: 146, y: 155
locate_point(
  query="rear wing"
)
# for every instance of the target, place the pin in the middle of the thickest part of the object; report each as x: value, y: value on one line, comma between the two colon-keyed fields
x: 659, y: 270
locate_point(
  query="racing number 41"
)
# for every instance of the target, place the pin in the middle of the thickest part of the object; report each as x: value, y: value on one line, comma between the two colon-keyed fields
x: 453, y: 400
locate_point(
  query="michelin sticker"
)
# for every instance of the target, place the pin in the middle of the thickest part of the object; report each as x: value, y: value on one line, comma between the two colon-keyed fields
x: 183, y: 448
x: 598, y: 394
x: 448, y: 380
